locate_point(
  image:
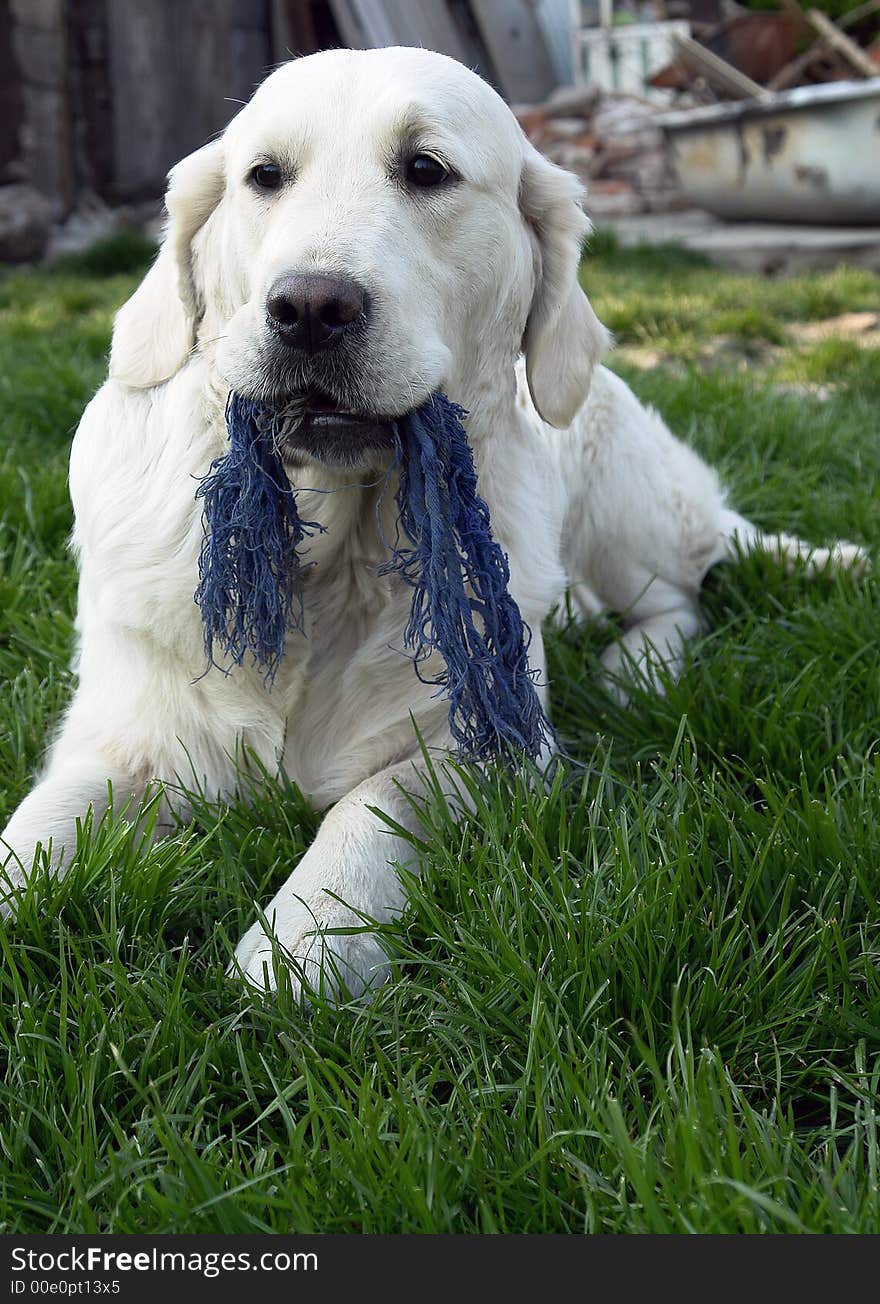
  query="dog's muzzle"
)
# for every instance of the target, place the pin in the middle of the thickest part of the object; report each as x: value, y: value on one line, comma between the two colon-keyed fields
x: 318, y: 325
x: 315, y: 424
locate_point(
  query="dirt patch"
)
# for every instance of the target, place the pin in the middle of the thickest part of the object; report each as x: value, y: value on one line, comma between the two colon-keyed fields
x: 861, y: 327
x: 718, y: 351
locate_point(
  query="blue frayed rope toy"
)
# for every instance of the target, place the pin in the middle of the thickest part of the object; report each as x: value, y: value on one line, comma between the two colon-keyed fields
x: 250, y: 579
x: 250, y: 576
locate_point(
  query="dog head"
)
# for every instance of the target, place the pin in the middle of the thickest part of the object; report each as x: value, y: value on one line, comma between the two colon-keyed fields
x: 373, y: 226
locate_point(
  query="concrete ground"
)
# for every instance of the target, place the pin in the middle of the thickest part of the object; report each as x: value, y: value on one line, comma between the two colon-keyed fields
x: 774, y: 248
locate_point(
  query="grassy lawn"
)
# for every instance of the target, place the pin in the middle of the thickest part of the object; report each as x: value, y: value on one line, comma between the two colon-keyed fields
x: 646, y: 999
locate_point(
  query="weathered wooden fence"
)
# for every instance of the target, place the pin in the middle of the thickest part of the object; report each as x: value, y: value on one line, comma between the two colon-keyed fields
x: 111, y: 92
x: 102, y: 96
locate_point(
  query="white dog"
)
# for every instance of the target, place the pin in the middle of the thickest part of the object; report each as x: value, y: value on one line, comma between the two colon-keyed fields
x: 371, y: 228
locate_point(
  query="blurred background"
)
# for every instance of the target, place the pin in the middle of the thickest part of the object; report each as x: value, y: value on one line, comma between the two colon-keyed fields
x: 684, y: 117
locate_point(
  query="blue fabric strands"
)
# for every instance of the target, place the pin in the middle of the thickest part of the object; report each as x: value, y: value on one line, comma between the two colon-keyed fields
x: 493, y: 704
x: 250, y: 577
x: 250, y: 585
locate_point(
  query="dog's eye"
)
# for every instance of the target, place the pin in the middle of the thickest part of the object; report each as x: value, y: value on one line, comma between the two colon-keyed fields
x: 423, y: 170
x: 267, y: 176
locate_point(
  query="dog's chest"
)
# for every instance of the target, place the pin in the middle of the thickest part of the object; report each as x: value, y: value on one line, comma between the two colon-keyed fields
x: 352, y: 685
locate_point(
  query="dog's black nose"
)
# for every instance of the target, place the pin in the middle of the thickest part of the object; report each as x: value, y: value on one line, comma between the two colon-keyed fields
x: 311, y: 311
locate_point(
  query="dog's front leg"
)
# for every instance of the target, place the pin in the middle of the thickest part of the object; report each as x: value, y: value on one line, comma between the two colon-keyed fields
x: 46, y: 820
x: 348, y: 872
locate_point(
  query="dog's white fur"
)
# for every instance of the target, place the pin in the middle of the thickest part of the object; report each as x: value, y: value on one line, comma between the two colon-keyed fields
x: 597, y: 495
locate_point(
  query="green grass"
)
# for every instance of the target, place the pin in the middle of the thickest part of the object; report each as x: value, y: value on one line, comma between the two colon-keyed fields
x: 646, y: 998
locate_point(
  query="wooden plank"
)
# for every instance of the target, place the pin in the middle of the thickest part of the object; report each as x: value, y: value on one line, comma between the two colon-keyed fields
x: 840, y: 42
x: 42, y: 54
x: 178, y: 73
x: 48, y: 15
x: 856, y: 15
x: 208, y: 87
x: 347, y: 18
x: 292, y: 29
x: 11, y: 102
x: 39, y: 47
x: 49, y: 160
x: 820, y: 48
x: 717, y: 71
x: 88, y: 73
x: 250, y: 58
x: 429, y: 24
x: 516, y: 45
x: 141, y: 55
x: 366, y: 25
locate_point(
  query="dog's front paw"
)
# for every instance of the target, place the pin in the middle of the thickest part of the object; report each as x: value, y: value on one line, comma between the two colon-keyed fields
x: 324, y: 949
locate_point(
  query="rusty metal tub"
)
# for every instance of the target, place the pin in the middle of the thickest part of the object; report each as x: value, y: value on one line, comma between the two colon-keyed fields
x: 807, y: 155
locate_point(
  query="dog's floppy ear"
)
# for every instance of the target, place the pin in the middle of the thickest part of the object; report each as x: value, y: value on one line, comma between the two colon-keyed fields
x: 155, y: 330
x: 564, y: 338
